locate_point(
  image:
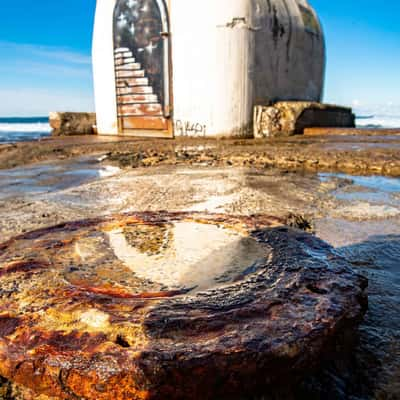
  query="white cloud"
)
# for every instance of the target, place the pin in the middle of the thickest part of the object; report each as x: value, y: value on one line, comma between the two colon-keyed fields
x: 62, y: 55
x: 22, y: 62
x: 36, y: 79
x: 50, y: 52
x: 46, y: 69
x: 39, y: 102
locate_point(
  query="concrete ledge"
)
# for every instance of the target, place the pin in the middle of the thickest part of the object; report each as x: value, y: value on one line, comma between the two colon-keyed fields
x: 321, y: 131
x: 287, y: 118
x: 72, y: 123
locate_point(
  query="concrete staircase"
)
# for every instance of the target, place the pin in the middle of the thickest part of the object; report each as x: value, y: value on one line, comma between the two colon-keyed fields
x: 135, y: 95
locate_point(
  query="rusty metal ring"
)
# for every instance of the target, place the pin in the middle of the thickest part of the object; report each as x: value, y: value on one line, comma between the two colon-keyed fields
x: 74, y: 327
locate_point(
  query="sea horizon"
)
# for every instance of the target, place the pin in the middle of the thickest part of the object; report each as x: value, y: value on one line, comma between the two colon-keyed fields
x: 26, y: 128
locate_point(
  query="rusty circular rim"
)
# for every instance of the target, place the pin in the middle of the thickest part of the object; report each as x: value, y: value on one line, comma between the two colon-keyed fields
x: 72, y: 340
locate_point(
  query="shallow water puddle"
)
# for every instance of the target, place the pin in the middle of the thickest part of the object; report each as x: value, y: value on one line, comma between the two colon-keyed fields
x: 375, y: 182
x: 51, y: 177
x: 186, y: 254
x: 365, y: 197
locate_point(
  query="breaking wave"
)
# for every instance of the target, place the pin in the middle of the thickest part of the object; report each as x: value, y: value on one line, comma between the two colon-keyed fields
x: 381, y: 116
x: 22, y: 129
x: 38, y: 127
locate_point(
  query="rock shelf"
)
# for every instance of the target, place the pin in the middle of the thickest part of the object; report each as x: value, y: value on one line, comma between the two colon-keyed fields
x: 170, y: 306
x: 374, y: 152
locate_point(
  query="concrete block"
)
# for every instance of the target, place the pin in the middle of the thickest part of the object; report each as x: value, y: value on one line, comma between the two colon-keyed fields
x: 72, y: 123
x: 287, y: 118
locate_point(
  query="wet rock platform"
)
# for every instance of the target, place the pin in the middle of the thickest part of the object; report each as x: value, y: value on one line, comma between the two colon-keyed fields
x: 372, y: 152
x: 136, y: 306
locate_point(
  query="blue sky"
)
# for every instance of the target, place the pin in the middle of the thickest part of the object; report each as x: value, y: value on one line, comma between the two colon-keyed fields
x: 45, y: 60
x: 45, y: 54
x: 363, y: 51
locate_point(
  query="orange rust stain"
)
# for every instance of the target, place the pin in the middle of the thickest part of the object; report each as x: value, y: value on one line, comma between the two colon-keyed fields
x: 121, y: 387
x: 121, y: 223
x: 52, y: 244
x: 23, y: 267
x: 59, y: 343
x: 64, y: 227
x: 118, y: 293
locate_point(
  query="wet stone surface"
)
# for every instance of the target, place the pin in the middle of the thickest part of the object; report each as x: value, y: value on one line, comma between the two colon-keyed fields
x: 365, y: 152
x: 92, y: 310
x: 359, y: 215
x: 364, y: 227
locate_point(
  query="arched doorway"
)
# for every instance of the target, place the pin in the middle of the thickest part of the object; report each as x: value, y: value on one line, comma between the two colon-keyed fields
x: 141, y: 53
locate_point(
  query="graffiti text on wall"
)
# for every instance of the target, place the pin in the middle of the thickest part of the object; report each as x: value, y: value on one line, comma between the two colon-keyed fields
x: 187, y: 128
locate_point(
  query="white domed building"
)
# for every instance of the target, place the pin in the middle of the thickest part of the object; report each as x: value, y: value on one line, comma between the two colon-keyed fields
x: 167, y: 68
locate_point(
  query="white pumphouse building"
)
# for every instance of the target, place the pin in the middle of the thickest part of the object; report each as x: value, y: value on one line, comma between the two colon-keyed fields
x: 167, y: 68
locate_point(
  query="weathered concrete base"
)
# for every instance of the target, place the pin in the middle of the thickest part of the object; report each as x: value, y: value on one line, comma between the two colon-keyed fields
x: 72, y: 123
x: 287, y: 118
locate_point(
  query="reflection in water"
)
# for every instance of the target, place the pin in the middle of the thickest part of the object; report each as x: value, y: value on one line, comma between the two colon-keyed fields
x: 185, y: 254
x: 365, y: 197
x: 377, y: 182
x: 51, y: 177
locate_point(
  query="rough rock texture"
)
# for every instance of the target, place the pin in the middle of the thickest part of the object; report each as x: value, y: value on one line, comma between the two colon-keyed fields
x: 75, y: 322
x: 376, y: 152
x: 287, y: 118
x: 72, y: 123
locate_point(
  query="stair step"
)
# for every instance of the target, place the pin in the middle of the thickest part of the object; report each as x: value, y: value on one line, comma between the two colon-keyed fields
x: 127, y: 82
x: 121, y: 50
x: 137, y: 98
x: 140, y: 110
x: 147, y: 122
x: 128, y: 75
x: 134, y: 90
x: 130, y: 82
x: 127, y: 60
x: 122, y: 61
x: 121, y: 56
x: 128, y: 67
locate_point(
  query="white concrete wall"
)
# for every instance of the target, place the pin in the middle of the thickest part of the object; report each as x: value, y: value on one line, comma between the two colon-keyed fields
x: 103, y: 69
x: 227, y: 56
x: 290, y: 59
x: 211, y: 79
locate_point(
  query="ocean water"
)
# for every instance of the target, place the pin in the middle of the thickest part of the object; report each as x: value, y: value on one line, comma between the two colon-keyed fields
x: 18, y: 129
x: 378, y: 116
x: 378, y: 121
